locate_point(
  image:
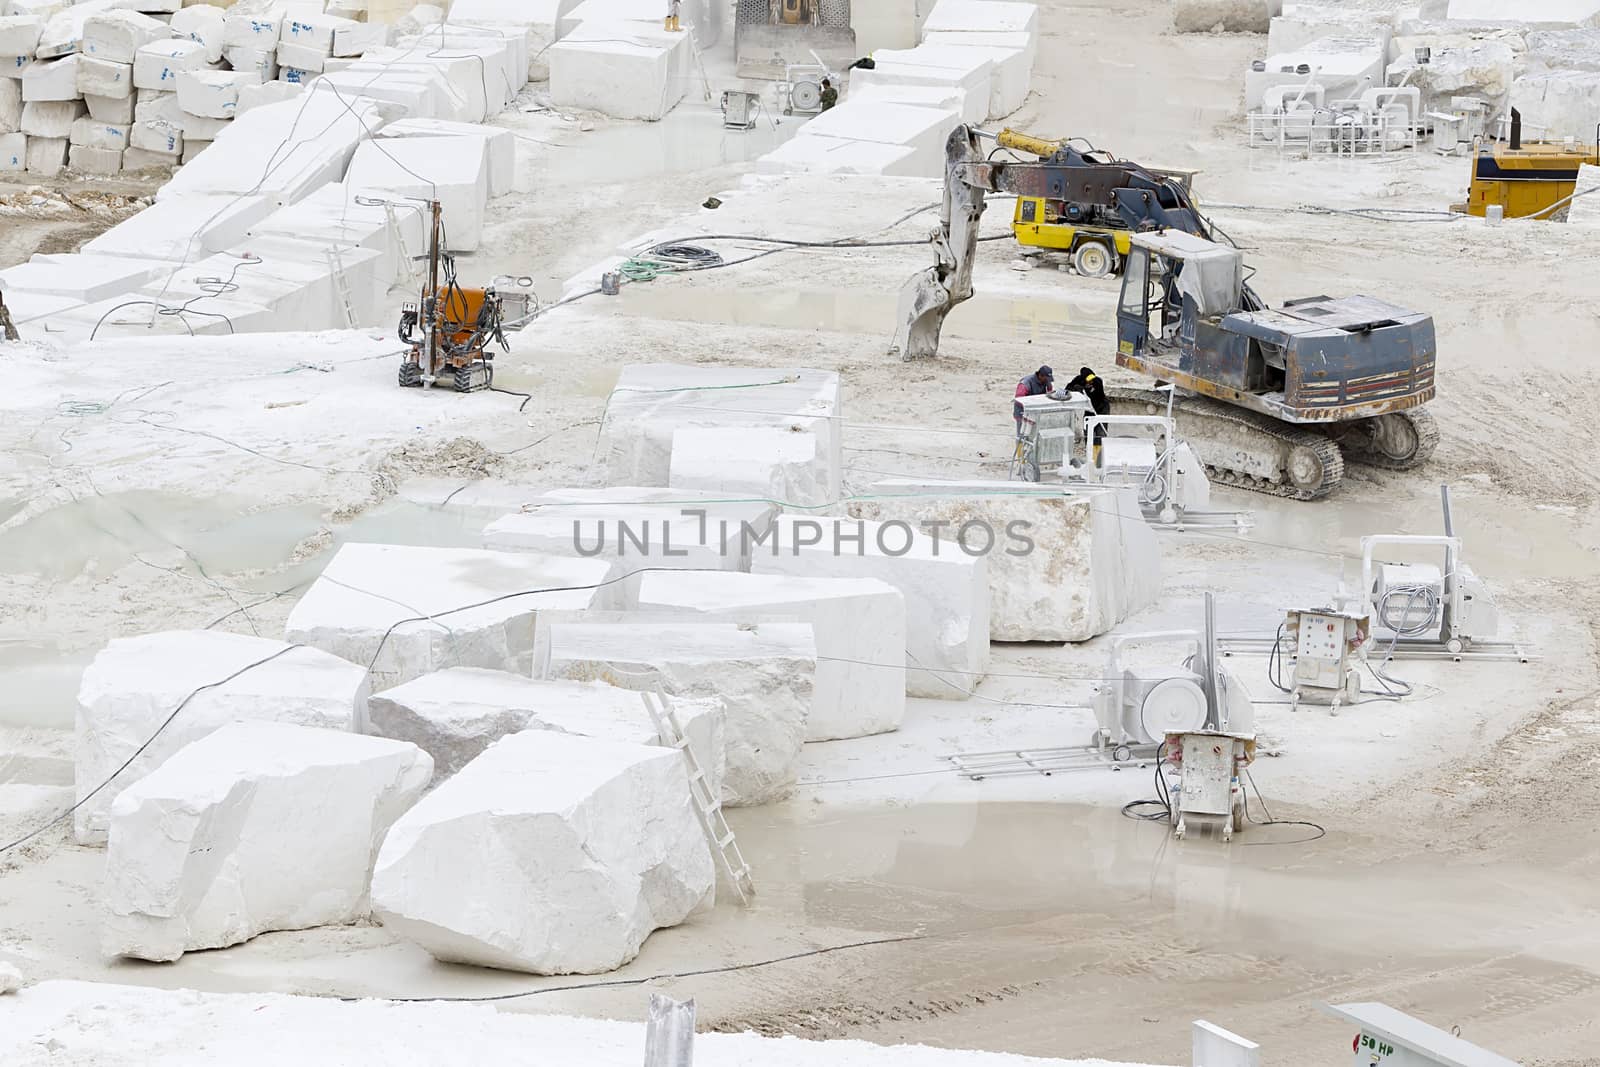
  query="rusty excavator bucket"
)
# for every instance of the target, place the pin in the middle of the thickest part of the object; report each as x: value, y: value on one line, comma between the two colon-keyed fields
x: 927, y: 298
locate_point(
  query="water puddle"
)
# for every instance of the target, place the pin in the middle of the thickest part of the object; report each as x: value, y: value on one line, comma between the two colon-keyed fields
x: 1499, y: 542
x: 108, y: 531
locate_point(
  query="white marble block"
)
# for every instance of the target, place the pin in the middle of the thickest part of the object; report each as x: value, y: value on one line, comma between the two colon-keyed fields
x: 157, y: 64
x: 255, y: 827
x: 53, y: 81
x: 136, y: 684
x: 13, y: 152
x: 627, y: 71
x: 1558, y: 105
x: 410, y: 611
x: 860, y: 629
x: 47, y: 155
x: 453, y: 170
x: 115, y: 36
x: 770, y: 464
x: 922, y: 129
x: 500, y: 144
x: 535, y: 18
x: 986, y: 18
x: 102, y: 77
x: 765, y: 676
x: 946, y: 590
x: 19, y: 34
x: 86, y: 159
x: 652, y: 401
x: 929, y: 64
x: 1064, y: 564
x: 212, y: 93
x: 455, y: 714
x: 202, y: 23
x: 549, y: 853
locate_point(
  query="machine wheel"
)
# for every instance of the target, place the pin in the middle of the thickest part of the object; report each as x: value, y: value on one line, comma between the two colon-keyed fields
x: 411, y: 375
x: 1093, y: 259
x: 1314, y: 464
x: 1400, y: 440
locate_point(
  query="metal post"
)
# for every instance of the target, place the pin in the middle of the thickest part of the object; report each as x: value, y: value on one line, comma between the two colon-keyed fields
x: 430, y: 299
x: 1208, y: 675
x: 669, y: 1033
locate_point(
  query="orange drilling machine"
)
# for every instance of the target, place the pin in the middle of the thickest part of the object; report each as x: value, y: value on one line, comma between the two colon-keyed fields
x: 456, y: 325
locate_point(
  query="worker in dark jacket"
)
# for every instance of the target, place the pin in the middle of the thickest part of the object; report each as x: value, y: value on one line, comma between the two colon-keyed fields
x: 830, y: 95
x: 1036, y: 384
x: 1092, y: 386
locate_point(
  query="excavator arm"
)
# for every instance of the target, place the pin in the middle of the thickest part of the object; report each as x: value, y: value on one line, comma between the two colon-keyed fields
x: 1143, y: 199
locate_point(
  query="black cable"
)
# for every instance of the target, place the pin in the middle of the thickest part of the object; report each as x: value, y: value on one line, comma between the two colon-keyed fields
x: 30, y: 835
x: 686, y: 254
x: 1275, y: 662
x: 621, y: 982
x: 493, y: 388
x: 1321, y: 831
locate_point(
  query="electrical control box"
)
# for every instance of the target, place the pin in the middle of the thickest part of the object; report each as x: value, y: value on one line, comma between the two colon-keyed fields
x: 1322, y: 647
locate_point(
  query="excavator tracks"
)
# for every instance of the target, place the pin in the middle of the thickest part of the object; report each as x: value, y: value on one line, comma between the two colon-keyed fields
x: 1245, y: 449
x: 1399, y: 441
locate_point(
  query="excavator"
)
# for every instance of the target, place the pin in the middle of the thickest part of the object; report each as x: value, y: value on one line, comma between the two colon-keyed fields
x: 1273, y: 400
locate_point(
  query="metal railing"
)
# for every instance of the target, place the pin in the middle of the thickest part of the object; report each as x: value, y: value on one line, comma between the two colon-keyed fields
x: 1324, y: 131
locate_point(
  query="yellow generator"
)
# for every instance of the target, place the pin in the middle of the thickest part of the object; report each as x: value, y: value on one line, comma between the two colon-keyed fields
x: 1088, y: 197
x: 1533, y: 179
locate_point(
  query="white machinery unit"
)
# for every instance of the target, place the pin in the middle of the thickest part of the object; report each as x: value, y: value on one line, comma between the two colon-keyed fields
x: 1141, y: 450
x: 1387, y: 1037
x: 1051, y: 428
x: 1209, y: 783
x: 1144, y: 705
x: 740, y: 108
x: 1144, y: 450
x: 800, y: 92
x: 1138, y: 712
x: 1324, y: 645
x: 1420, y: 607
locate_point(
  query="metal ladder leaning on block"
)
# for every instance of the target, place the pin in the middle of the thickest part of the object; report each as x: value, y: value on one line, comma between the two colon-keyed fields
x: 707, y: 806
x: 341, y: 287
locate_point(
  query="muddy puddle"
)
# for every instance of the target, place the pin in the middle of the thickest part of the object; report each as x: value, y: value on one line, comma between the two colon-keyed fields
x: 966, y: 880
x: 1502, y: 538
x: 104, y: 532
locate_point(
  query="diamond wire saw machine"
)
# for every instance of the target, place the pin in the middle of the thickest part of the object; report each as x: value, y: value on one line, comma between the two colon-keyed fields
x: 1193, y: 717
x: 457, y: 325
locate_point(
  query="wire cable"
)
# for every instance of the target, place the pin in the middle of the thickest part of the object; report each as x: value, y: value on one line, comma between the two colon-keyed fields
x: 616, y: 983
x: 81, y: 801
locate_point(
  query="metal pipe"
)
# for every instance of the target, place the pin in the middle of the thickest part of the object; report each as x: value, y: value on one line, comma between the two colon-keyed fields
x: 430, y: 299
x: 1209, y: 677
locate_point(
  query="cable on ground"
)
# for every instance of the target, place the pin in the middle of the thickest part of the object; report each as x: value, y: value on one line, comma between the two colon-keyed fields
x: 616, y: 983
x: 81, y: 801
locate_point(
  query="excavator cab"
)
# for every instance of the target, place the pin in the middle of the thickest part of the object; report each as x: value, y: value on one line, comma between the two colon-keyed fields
x: 1171, y: 282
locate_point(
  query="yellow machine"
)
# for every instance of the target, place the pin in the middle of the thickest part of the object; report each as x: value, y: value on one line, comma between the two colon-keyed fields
x: 456, y: 326
x: 1082, y: 217
x: 1527, y: 179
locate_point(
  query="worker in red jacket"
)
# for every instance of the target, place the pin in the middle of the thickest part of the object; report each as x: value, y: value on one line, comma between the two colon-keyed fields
x: 1035, y: 384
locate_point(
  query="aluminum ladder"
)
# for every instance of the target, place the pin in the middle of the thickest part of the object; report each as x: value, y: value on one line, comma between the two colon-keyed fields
x: 406, y: 270
x: 706, y: 804
x: 341, y: 287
